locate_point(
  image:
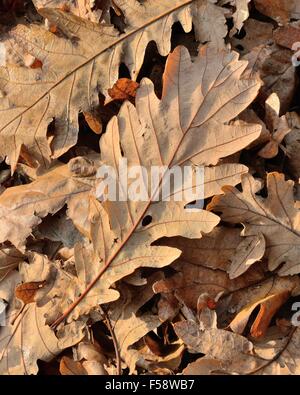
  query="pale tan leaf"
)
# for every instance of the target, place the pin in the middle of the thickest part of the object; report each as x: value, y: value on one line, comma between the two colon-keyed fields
x: 22, y: 207
x: 201, y: 269
x: 19, y: 350
x: 250, y: 250
x: 275, y: 217
x: 74, y: 68
x: 129, y: 327
x: 186, y: 125
x: 242, y: 301
x: 229, y: 353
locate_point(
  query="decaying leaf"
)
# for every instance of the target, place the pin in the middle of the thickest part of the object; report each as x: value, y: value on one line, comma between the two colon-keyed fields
x: 275, y: 217
x: 19, y: 355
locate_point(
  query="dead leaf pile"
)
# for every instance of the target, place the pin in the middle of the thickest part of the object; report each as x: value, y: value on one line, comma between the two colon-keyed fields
x: 96, y: 285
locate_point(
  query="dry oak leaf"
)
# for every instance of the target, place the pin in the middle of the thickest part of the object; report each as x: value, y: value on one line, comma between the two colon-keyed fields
x: 69, y: 367
x: 185, y: 126
x: 75, y: 69
x: 201, y: 268
x: 230, y: 353
x: 123, y: 89
x: 19, y: 348
x: 279, y: 353
x: 275, y: 217
x: 23, y: 207
x: 27, y: 291
x: 234, y: 352
x: 131, y: 326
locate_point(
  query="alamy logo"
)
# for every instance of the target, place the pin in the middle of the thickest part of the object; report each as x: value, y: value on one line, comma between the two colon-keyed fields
x: 137, y: 183
x: 296, y: 56
x: 296, y: 317
x: 2, y: 312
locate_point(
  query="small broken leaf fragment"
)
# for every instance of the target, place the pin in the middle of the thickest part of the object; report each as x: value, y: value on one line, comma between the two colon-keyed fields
x: 27, y: 291
x: 124, y: 89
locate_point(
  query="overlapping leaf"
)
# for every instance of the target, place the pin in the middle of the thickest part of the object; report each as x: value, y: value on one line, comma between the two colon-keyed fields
x: 75, y: 67
x: 275, y: 217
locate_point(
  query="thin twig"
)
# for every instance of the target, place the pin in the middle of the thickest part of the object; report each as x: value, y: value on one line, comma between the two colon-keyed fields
x: 114, y: 339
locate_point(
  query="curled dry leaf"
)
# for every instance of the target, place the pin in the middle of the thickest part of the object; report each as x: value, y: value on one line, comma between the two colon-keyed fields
x: 242, y: 301
x: 268, y: 308
x: 275, y: 217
